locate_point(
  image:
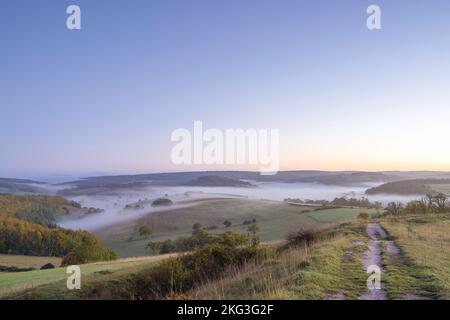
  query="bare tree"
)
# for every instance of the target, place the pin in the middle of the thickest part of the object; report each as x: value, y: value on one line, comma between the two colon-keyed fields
x: 394, y: 208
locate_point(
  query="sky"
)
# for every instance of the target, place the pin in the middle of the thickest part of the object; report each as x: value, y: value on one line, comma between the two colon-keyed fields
x: 106, y: 98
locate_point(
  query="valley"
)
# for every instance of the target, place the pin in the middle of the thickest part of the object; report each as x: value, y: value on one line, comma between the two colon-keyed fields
x: 316, y: 232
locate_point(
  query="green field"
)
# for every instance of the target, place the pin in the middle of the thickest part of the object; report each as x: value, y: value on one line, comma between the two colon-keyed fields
x: 275, y: 220
x: 9, y: 260
x: 338, y: 215
x: 425, y: 240
x: 444, y: 188
x: 330, y: 268
x: 18, y: 281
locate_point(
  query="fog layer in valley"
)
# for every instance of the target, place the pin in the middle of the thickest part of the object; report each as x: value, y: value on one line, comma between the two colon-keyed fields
x: 114, y: 205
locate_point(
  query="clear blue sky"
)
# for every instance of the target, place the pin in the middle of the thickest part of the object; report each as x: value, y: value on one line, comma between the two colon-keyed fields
x: 106, y: 98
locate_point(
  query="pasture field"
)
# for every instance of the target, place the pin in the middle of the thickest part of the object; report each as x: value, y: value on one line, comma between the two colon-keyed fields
x: 13, y: 282
x: 425, y: 240
x: 443, y: 188
x: 10, y: 260
x: 334, y: 269
x: 317, y: 271
x: 275, y: 220
x: 339, y: 215
x: 323, y: 270
x: 331, y: 267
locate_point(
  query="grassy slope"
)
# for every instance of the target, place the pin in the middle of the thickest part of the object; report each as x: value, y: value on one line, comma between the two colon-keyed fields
x: 333, y: 269
x: 316, y: 272
x: 444, y: 188
x: 329, y: 269
x: 323, y: 271
x: 275, y: 221
x: 425, y: 241
x: 54, y: 280
x: 339, y: 215
x: 9, y: 260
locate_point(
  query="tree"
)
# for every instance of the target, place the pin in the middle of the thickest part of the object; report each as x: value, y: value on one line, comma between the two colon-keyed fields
x: 429, y: 200
x: 377, y: 205
x: 145, y: 231
x: 416, y: 207
x: 72, y: 258
x: 254, y: 228
x: 437, y: 203
x: 227, y: 223
x: 394, y: 208
x: 196, y: 226
x: 440, y: 201
x: 363, y: 216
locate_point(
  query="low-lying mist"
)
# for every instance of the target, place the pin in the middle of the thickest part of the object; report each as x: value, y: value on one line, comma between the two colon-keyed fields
x: 115, y: 212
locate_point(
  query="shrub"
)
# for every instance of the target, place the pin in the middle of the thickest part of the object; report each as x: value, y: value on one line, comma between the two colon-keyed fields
x: 308, y: 237
x: 196, y: 226
x: 47, y: 266
x: 199, y: 239
x: 175, y: 276
x: 227, y: 223
x: 363, y: 216
x: 250, y: 221
x: 253, y: 228
x: 14, y: 269
x: 145, y: 231
x: 162, y: 202
x: 394, y: 208
x: 377, y: 215
x: 71, y: 259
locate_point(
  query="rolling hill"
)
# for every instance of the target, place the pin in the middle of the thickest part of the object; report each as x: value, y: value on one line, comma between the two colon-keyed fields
x: 410, y: 187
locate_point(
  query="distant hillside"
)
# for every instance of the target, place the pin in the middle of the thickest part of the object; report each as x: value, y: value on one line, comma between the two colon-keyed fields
x: 349, y: 178
x: 408, y: 187
x: 215, y: 181
x: 27, y: 227
x: 19, y: 186
x: 39, y: 209
x: 109, y: 184
x: 174, y: 178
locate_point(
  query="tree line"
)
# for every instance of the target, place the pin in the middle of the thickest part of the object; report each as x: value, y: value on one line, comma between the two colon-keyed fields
x: 201, y: 238
x: 27, y: 227
x: 362, y: 202
x: 25, y: 238
x: 431, y: 203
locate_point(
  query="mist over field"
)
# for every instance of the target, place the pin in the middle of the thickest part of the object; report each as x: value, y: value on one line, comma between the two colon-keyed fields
x: 224, y: 150
x: 183, y: 196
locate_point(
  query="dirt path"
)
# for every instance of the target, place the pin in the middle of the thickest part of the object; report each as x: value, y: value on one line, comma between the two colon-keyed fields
x: 373, y: 257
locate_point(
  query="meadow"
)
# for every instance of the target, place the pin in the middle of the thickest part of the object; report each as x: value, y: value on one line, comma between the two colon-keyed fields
x: 444, y: 188
x: 14, y: 282
x: 425, y: 241
x: 10, y: 260
x: 333, y: 268
x: 329, y: 266
x: 275, y: 221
